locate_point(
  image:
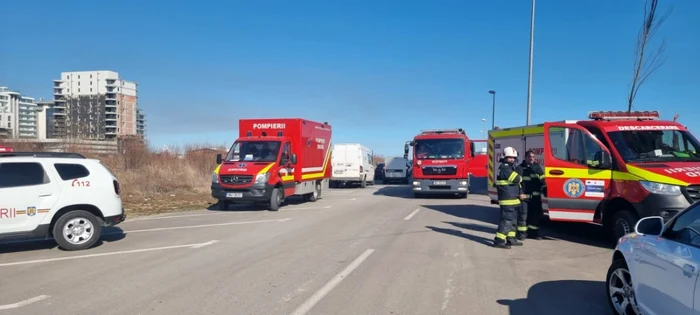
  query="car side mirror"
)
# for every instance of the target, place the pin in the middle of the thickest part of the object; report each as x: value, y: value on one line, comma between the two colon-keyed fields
x: 294, y: 159
x: 472, y: 151
x: 604, y: 160
x: 218, y: 159
x: 653, y: 226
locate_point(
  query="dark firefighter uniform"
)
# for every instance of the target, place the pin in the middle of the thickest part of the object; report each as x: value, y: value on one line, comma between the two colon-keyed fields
x: 531, y: 211
x: 508, y: 188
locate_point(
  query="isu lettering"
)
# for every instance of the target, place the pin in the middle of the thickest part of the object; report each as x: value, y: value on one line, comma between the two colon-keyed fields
x: 8, y: 213
x: 626, y: 128
x: 690, y: 171
x: 269, y: 126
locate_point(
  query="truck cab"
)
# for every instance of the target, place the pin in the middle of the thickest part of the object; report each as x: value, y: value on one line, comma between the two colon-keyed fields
x: 440, y: 162
x: 273, y: 159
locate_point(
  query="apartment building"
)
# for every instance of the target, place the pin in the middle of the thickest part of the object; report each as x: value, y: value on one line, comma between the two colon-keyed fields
x: 140, y: 123
x: 94, y: 105
x: 20, y: 116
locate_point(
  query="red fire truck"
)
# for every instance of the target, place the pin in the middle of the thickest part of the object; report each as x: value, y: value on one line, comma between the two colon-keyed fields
x: 273, y: 159
x: 440, y: 162
x: 612, y: 169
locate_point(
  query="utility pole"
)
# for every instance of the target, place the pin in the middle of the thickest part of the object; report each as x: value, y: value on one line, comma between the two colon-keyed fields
x: 493, y: 109
x: 532, y: 46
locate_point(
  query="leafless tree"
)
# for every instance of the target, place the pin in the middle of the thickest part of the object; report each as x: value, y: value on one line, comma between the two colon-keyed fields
x: 647, y: 62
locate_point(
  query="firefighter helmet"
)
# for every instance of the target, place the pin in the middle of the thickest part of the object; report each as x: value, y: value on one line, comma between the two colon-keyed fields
x: 510, y: 152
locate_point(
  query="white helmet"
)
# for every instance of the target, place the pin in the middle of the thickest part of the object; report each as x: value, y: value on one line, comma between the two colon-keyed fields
x: 510, y: 152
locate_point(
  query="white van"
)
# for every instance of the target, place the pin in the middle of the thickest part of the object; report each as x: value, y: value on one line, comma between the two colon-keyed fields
x: 396, y: 170
x: 352, y: 164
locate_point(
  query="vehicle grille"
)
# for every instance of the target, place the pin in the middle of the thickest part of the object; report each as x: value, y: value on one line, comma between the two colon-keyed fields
x: 236, y: 179
x: 693, y: 192
x: 439, y: 170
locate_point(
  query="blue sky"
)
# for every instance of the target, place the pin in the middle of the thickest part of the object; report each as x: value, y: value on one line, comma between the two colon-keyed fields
x: 378, y: 71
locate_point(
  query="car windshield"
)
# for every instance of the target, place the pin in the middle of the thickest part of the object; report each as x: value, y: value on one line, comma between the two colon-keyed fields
x: 655, y: 145
x: 262, y: 151
x: 439, y: 149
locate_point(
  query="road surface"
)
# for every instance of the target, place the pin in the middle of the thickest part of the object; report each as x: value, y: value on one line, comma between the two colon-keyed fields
x: 356, y: 251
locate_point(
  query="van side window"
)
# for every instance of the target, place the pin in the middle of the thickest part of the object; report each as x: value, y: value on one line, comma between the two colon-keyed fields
x: 567, y: 148
x: 369, y: 159
x: 71, y: 171
x: 286, y: 154
x: 20, y: 174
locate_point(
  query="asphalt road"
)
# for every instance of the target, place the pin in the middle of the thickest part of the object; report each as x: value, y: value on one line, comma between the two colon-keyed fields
x: 356, y: 251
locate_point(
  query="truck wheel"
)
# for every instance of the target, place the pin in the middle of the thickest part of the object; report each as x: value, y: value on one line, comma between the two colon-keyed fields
x: 77, y: 230
x: 223, y: 204
x: 363, y: 183
x: 463, y: 195
x: 276, y: 199
x: 622, y: 223
x: 316, y: 195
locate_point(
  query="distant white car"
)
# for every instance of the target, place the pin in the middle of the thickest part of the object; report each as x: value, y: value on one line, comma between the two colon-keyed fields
x: 396, y: 169
x: 654, y: 270
x: 61, y: 195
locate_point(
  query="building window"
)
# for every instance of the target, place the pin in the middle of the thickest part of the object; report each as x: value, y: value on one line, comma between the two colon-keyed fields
x: 78, y: 77
x: 90, y: 89
x: 78, y: 90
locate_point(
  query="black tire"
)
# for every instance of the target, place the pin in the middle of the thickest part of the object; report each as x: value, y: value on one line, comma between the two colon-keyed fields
x: 223, y: 204
x: 463, y: 195
x: 621, y: 265
x: 621, y: 223
x: 363, y: 183
x: 417, y: 195
x: 276, y: 199
x: 77, y: 219
x: 316, y: 195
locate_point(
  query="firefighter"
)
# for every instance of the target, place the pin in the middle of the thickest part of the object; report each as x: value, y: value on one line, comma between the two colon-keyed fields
x: 509, y: 196
x: 531, y: 210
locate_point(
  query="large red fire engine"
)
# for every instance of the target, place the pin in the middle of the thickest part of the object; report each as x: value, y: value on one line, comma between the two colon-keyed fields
x: 273, y: 159
x: 612, y: 169
x: 441, y: 162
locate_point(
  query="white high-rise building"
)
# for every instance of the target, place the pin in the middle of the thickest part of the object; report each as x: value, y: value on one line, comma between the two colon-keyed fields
x: 94, y: 105
x: 20, y: 116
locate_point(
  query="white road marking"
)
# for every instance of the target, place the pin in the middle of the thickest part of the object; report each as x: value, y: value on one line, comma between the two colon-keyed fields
x: 314, y: 208
x: 195, y: 226
x: 27, y: 262
x: 24, y: 303
x: 321, y: 293
x: 408, y: 217
x: 162, y: 217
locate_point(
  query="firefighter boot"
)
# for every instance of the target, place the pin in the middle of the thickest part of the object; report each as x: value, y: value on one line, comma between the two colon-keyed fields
x: 500, y: 243
x: 512, y: 240
x: 534, y: 234
x: 522, y: 232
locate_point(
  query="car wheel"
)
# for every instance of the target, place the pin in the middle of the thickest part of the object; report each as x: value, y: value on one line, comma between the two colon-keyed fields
x: 622, y: 223
x: 316, y: 195
x: 276, y: 199
x: 621, y: 295
x: 77, y: 230
x: 363, y: 183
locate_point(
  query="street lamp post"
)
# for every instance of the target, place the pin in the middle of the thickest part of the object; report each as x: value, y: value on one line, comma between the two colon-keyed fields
x: 493, y: 109
x: 529, y: 79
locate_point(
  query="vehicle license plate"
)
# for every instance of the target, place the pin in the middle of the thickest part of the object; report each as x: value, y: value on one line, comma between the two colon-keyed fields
x: 440, y: 183
x: 234, y: 195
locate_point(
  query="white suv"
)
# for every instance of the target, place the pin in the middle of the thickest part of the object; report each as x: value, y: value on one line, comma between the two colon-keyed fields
x: 61, y: 195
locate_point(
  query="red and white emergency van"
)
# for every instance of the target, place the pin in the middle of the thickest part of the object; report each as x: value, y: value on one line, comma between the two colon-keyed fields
x: 273, y: 159
x: 612, y: 169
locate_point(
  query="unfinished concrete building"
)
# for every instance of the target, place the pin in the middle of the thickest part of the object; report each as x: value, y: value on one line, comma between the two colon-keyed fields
x: 94, y: 105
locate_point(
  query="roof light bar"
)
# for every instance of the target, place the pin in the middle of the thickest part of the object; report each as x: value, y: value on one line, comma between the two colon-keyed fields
x: 438, y: 131
x: 624, y: 115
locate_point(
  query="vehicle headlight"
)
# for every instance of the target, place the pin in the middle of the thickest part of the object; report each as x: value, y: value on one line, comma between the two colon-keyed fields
x: 661, y: 189
x: 215, y: 178
x: 416, y: 183
x: 262, y: 178
x: 463, y: 183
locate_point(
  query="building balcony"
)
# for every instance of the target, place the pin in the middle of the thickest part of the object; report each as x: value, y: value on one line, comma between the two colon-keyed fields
x: 111, y: 96
x: 111, y: 117
x: 58, y: 91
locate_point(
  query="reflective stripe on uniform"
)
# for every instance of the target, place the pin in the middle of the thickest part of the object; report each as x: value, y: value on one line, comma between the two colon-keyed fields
x: 535, y: 193
x: 542, y: 176
x: 532, y: 227
x: 501, y: 236
x: 502, y: 183
x: 522, y: 228
x: 512, y: 177
x: 509, y: 202
x: 511, y: 234
x: 526, y: 178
